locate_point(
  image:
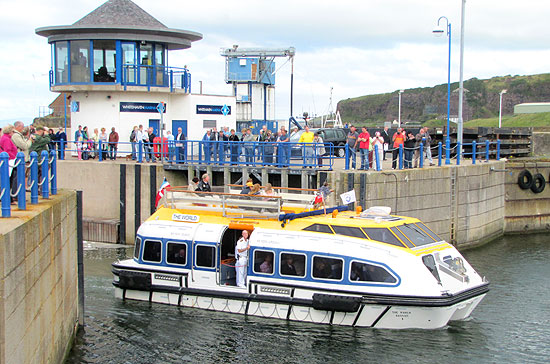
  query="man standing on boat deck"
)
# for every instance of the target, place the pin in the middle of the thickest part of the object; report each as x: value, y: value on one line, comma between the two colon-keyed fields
x: 241, y: 254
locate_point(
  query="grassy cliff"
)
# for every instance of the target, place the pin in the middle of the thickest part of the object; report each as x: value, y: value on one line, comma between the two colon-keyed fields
x: 428, y: 105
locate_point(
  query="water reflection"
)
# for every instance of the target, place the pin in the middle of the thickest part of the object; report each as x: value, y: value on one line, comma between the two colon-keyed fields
x: 511, y: 325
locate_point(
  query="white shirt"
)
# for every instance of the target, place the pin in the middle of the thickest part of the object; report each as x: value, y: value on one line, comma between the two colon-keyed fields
x: 242, y: 243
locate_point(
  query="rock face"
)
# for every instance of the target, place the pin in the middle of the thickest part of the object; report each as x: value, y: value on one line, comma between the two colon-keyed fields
x: 420, y: 104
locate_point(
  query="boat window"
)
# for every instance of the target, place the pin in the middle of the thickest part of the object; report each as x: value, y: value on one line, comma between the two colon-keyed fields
x: 205, y: 256
x: 364, y: 272
x: 293, y: 265
x: 402, y: 237
x: 320, y: 228
x: 327, y: 268
x: 263, y: 262
x: 137, y: 247
x: 383, y: 235
x: 176, y: 253
x: 429, y: 231
x: 354, y: 232
x: 151, y: 251
x: 416, y: 235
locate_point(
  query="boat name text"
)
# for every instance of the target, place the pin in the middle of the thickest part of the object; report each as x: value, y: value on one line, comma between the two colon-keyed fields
x: 185, y: 218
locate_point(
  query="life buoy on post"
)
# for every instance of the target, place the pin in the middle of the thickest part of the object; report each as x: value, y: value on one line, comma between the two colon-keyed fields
x: 538, y: 183
x: 525, y: 179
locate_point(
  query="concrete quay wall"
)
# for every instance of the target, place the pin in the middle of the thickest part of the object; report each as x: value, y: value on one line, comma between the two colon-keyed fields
x: 526, y: 210
x: 463, y: 204
x: 38, y: 285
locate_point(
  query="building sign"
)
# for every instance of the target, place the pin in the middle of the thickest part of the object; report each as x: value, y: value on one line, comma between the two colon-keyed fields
x: 214, y: 109
x: 140, y: 107
x: 75, y: 106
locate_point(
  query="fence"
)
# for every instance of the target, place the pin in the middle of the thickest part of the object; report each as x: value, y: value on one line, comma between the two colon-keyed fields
x: 41, y: 179
x: 257, y: 154
x: 403, y: 158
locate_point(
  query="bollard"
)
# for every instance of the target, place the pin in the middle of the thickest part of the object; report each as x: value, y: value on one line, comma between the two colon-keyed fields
x: 34, y: 178
x: 5, y: 184
x: 498, y: 149
x: 458, y: 153
x: 486, y: 151
x: 44, y: 164
x: 439, y: 148
x: 377, y: 158
x: 53, y: 178
x: 20, y: 162
x: 474, y: 152
x: 140, y: 151
x: 100, y: 146
x: 400, y: 156
x: 346, y: 164
x: 421, y: 150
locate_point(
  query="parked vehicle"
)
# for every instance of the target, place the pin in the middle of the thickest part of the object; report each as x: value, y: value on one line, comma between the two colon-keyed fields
x: 336, y: 136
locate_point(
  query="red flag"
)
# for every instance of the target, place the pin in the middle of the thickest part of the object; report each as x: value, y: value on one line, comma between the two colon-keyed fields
x: 160, y: 193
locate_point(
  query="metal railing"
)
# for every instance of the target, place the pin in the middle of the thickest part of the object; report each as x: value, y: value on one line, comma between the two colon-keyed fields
x: 405, y: 158
x: 156, y: 76
x: 223, y: 153
x: 42, y: 179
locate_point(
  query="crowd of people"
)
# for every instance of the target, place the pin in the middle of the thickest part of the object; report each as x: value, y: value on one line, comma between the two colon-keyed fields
x: 26, y: 139
x: 366, y: 145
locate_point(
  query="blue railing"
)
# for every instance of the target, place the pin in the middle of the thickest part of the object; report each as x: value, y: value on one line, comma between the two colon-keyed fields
x: 405, y: 158
x: 43, y: 179
x: 256, y: 154
x: 156, y: 76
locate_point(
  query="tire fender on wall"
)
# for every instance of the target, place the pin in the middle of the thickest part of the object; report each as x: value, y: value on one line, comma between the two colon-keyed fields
x: 525, y: 179
x: 538, y: 183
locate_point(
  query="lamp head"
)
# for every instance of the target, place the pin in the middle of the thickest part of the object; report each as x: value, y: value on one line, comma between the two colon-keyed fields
x: 503, y: 91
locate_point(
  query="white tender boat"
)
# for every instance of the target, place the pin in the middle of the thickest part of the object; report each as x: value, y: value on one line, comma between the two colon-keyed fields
x: 365, y: 269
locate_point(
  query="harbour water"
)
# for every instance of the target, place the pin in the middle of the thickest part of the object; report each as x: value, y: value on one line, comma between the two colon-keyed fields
x: 512, y: 324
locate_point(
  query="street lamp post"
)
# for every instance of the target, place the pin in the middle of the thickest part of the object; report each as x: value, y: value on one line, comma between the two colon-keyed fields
x: 500, y: 109
x: 461, y: 80
x: 399, y: 112
x: 448, y: 139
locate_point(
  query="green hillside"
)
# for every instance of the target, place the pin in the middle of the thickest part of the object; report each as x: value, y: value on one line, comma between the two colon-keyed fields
x: 428, y: 105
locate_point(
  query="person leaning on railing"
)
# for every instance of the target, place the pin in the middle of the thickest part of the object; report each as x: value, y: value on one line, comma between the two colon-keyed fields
x: 7, y: 145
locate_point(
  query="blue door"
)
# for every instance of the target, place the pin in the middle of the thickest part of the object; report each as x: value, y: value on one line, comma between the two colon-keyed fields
x: 154, y: 123
x: 179, y: 124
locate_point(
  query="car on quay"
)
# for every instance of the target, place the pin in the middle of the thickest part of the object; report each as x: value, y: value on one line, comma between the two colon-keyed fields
x: 334, y: 136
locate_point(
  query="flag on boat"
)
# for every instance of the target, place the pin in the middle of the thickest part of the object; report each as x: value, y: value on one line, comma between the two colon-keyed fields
x: 160, y: 193
x: 348, y: 197
x: 318, y: 199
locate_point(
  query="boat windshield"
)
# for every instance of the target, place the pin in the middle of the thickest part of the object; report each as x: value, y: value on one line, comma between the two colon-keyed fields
x: 416, y: 235
x: 383, y: 235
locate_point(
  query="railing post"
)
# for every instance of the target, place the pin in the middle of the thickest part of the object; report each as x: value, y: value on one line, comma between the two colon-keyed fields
x: 45, y: 174
x: 20, y: 161
x: 400, y: 156
x: 5, y: 184
x: 34, y: 178
x: 346, y: 165
x: 53, y: 173
x: 474, y: 152
x: 486, y: 151
x: 498, y: 149
x: 447, y: 150
x: 421, y: 150
x: 377, y: 157
x: 458, y: 153
x: 171, y: 81
x: 439, y: 149
x: 100, y: 147
x: 140, y: 151
x: 62, y: 152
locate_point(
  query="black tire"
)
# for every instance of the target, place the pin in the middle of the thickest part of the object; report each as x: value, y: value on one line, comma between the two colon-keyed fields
x: 340, y: 151
x: 538, y: 183
x: 525, y: 180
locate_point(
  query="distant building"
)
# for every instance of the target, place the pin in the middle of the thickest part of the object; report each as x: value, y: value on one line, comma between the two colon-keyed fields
x: 532, y: 108
x: 114, y: 63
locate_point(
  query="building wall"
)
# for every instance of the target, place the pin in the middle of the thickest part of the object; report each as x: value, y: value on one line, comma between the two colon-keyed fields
x: 38, y: 286
x: 102, y: 109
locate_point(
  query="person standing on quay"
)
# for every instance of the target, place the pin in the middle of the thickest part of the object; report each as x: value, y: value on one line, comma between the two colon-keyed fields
x: 351, y: 142
x: 398, y: 139
x: 364, y: 144
x: 307, y: 138
x: 113, y: 144
x: 386, y: 136
x: 241, y: 254
x: 180, y: 146
x: 133, y: 141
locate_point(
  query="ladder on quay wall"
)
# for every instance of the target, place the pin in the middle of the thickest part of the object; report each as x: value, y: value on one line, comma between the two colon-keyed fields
x: 453, y: 206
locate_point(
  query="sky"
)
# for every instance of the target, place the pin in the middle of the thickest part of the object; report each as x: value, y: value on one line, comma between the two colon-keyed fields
x: 356, y: 47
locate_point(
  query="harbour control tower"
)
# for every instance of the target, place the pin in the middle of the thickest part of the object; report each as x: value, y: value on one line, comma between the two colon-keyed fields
x: 114, y: 65
x: 251, y: 72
